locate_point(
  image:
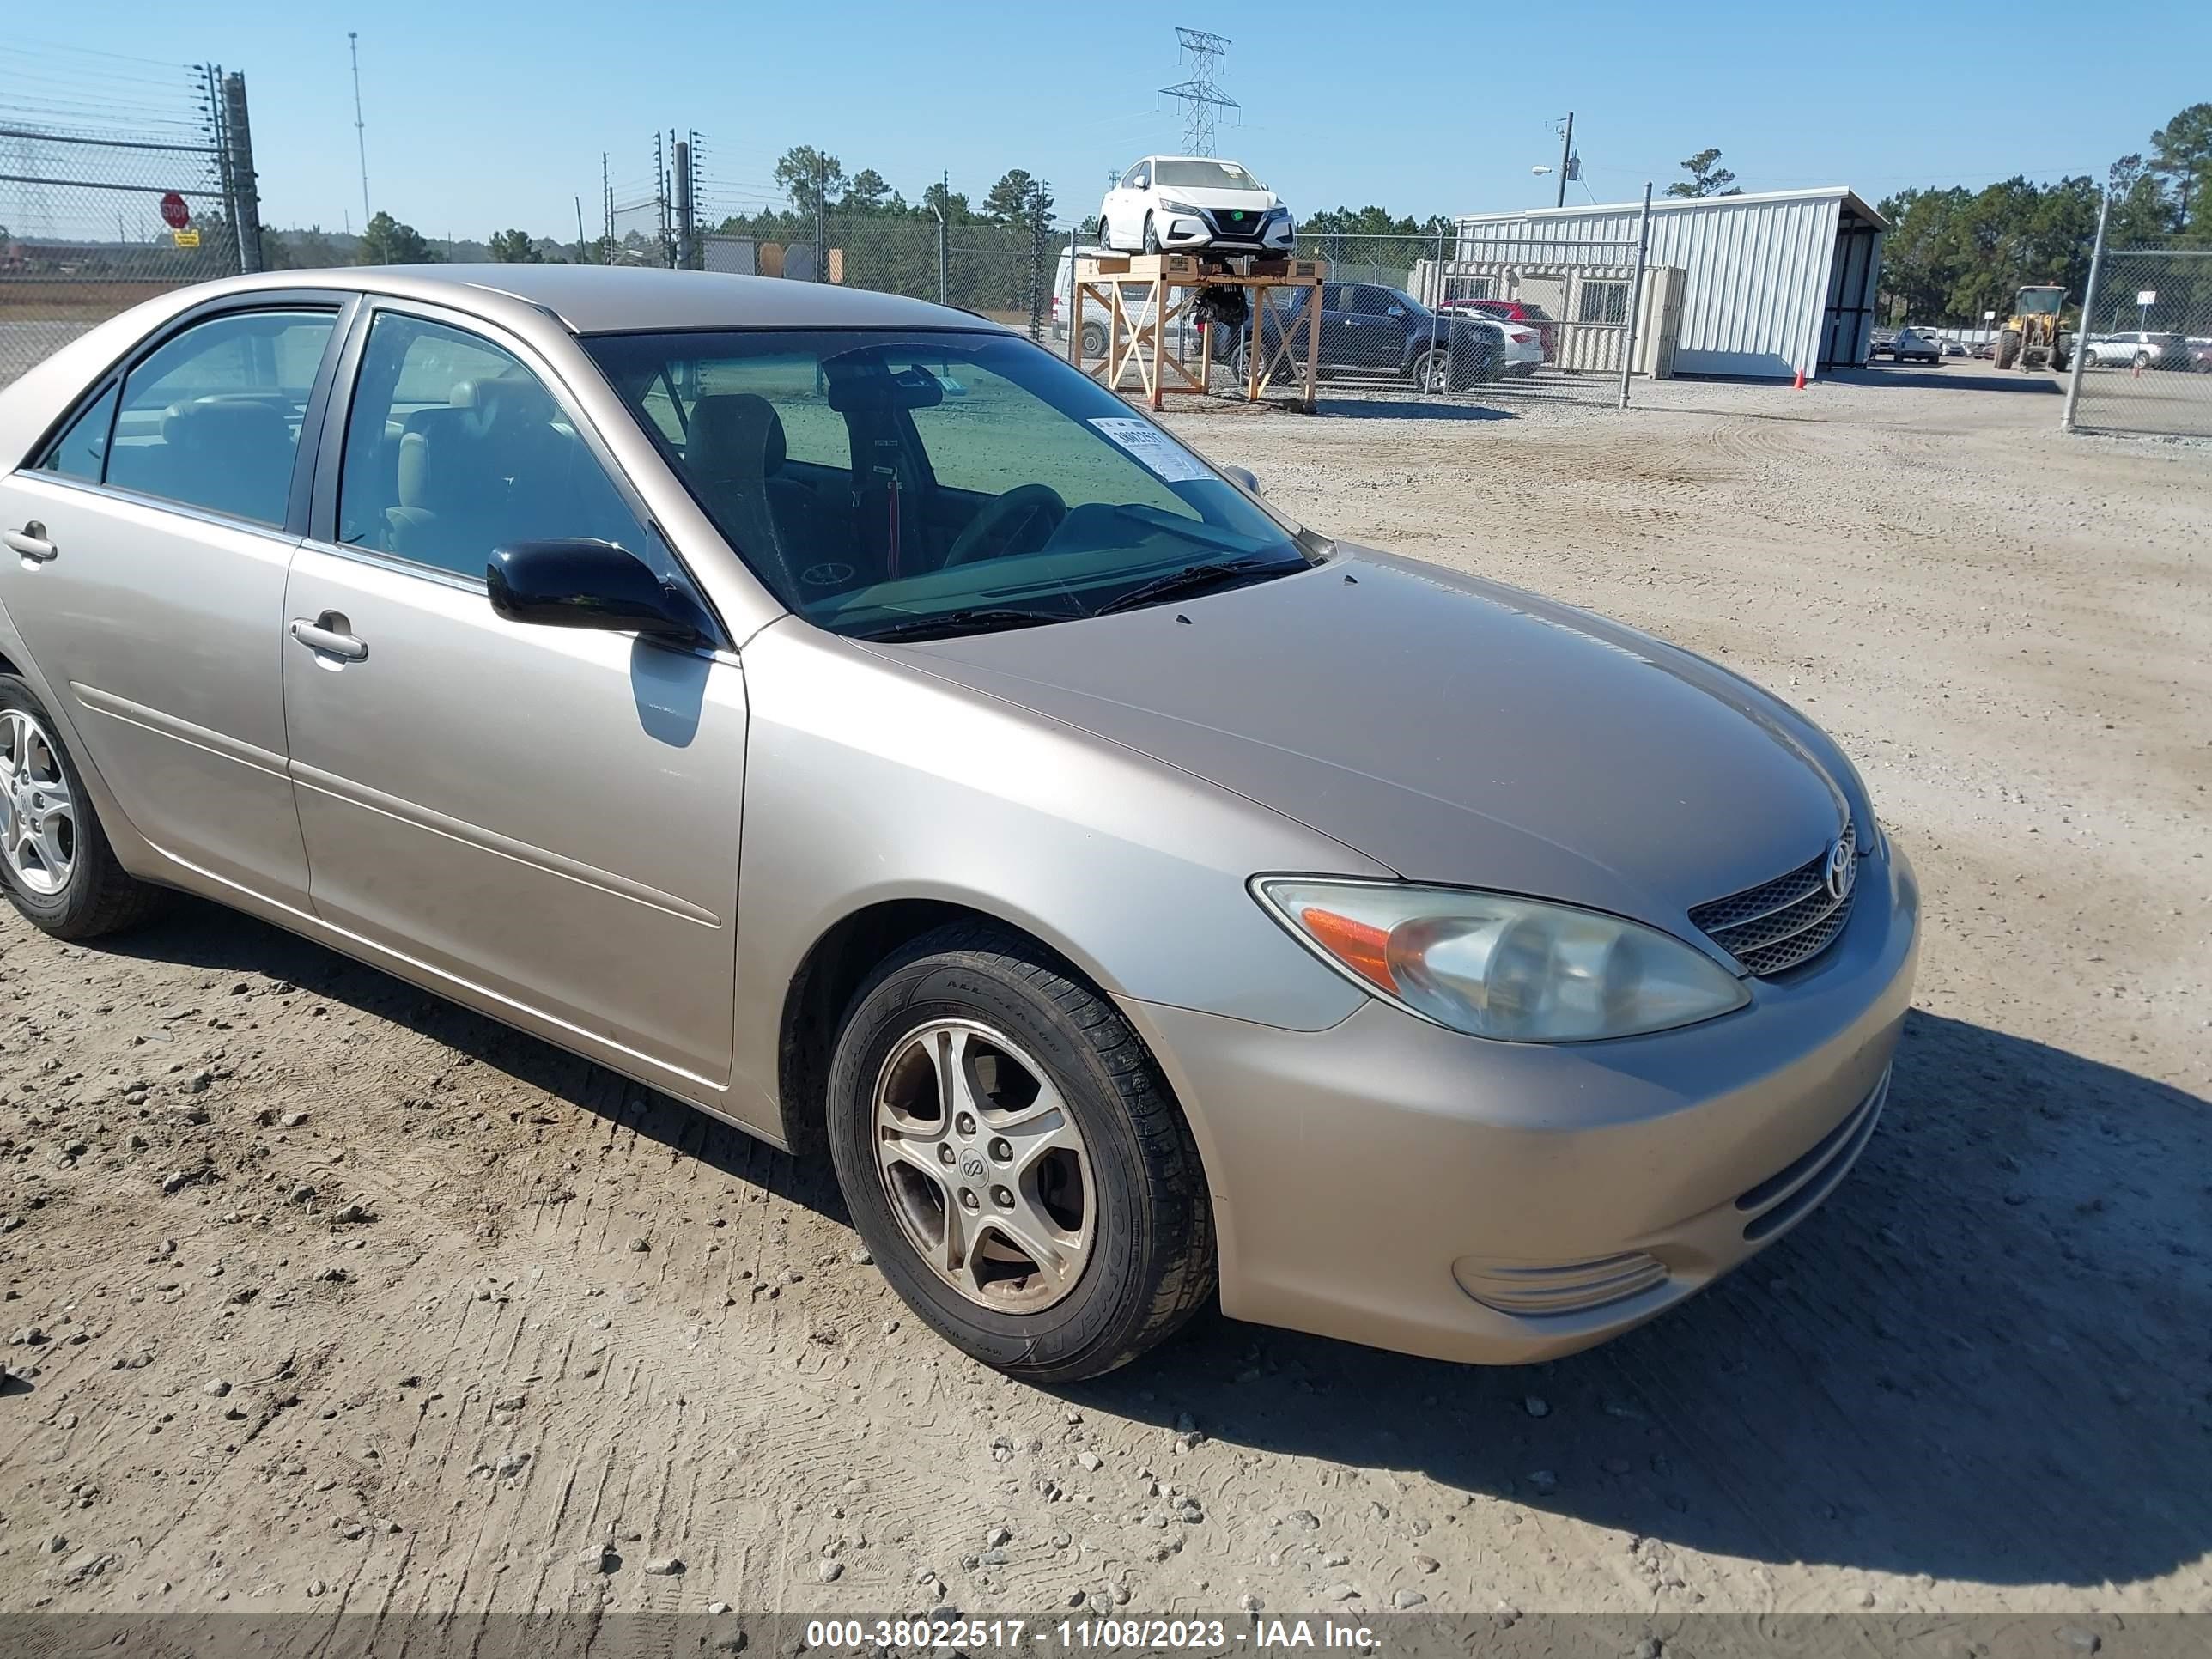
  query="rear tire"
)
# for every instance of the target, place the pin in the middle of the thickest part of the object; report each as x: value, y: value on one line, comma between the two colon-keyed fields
x: 1129, y: 1210
x: 60, y: 873
x: 1094, y: 341
x: 2143, y: 360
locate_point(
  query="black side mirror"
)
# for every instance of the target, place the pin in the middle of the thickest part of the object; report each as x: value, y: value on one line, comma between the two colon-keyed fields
x: 1242, y: 477
x: 575, y: 582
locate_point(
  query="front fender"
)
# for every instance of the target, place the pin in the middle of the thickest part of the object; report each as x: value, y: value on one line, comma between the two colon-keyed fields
x: 867, y: 780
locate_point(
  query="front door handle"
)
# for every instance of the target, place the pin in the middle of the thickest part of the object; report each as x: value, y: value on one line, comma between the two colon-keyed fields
x: 329, y: 640
x: 31, y: 541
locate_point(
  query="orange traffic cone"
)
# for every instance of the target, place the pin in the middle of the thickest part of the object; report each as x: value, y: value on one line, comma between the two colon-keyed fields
x: 1799, y: 387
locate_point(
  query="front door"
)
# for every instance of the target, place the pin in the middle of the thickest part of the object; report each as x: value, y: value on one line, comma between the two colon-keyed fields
x: 546, y: 819
x: 145, y: 570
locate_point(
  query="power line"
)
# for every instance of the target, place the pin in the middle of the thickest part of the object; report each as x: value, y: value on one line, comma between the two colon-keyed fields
x: 1199, y: 89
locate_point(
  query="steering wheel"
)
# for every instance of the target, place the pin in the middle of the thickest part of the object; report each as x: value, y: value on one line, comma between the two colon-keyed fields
x: 993, y: 526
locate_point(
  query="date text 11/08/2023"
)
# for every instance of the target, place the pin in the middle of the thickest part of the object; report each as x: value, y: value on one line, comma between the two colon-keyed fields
x: 1211, y: 1635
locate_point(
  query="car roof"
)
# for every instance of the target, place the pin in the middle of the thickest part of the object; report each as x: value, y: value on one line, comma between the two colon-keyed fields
x: 631, y: 299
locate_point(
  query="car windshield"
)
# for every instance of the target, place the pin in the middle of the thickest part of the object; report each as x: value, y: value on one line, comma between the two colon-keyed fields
x: 936, y: 481
x: 1203, y: 175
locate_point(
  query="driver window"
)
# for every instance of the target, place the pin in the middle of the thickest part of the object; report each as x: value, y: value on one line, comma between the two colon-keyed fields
x: 989, y: 436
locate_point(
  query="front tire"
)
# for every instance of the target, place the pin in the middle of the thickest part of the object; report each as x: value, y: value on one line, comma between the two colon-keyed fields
x: 1152, y: 235
x: 1013, y: 1161
x: 60, y: 873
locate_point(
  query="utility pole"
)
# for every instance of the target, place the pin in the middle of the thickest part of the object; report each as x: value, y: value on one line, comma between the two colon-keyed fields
x: 580, y: 259
x: 607, y: 203
x: 360, y: 133
x: 246, y: 195
x: 684, y: 239
x: 944, y: 228
x: 1566, y: 158
x: 1038, y: 300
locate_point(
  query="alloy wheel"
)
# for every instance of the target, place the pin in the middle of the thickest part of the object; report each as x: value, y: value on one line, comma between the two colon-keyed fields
x: 38, y: 812
x: 986, y: 1173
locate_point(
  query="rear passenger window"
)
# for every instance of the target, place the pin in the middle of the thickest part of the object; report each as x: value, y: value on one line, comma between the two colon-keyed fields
x: 82, y: 452
x: 454, y: 448
x: 212, y: 418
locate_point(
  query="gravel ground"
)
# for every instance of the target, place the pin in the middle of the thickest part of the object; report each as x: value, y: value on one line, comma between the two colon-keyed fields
x: 322, y: 1294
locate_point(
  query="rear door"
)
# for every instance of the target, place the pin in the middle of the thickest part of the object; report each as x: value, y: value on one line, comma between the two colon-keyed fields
x: 163, y: 520
x: 544, y: 818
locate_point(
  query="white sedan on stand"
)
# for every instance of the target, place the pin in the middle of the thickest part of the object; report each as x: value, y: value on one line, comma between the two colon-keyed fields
x: 1176, y: 203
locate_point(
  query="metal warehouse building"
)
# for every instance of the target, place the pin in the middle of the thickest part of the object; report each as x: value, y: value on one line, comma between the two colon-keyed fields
x: 1770, y: 284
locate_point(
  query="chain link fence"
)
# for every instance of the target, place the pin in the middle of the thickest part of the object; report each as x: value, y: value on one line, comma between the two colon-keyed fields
x: 1002, y: 270
x: 2144, y: 345
x: 95, y: 216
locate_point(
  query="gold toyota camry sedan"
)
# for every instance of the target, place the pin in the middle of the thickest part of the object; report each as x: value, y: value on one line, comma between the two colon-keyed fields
x: 839, y: 713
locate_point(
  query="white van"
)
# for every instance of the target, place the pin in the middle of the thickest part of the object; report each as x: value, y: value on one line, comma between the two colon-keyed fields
x: 1136, y: 300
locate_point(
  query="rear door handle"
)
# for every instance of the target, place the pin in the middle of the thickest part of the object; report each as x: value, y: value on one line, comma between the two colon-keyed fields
x: 329, y: 642
x: 31, y: 541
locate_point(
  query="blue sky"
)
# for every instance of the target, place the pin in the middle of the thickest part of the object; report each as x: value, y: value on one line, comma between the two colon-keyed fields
x: 485, y: 113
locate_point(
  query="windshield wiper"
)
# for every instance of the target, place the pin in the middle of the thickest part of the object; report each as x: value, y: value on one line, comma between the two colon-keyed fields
x: 979, y: 620
x: 1191, y: 578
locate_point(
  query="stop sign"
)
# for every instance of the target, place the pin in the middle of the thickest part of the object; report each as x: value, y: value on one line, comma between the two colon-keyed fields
x: 174, y: 213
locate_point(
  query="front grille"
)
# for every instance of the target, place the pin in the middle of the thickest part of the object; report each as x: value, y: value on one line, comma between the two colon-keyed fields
x: 1772, y: 927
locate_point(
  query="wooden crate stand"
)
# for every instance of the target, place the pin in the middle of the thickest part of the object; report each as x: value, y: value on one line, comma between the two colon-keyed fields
x: 1173, y: 284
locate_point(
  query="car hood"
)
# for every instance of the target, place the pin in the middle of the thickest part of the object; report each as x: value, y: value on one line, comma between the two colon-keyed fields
x: 1251, y: 201
x: 1455, y: 730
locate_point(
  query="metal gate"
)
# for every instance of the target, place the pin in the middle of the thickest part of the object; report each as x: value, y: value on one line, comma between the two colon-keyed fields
x: 1457, y: 312
x: 2143, y: 350
x: 115, y: 200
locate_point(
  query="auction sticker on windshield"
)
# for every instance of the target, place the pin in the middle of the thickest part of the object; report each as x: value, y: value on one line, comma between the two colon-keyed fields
x: 1166, y: 458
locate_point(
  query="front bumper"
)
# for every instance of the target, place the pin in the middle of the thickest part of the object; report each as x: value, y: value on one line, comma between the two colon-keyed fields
x: 1391, y: 1182
x: 1211, y: 231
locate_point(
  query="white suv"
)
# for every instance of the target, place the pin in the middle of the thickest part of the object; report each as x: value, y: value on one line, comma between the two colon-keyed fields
x: 1170, y: 203
x: 2138, y: 350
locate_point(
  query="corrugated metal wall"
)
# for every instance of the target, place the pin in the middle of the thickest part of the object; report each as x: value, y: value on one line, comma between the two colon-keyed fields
x: 1758, y: 271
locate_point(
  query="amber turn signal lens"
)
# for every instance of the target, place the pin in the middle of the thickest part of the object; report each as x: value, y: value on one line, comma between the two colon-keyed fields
x: 1361, y: 946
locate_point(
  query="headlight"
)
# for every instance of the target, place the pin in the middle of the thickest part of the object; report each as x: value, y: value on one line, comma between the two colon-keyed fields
x: 1516, y: 969
x: 1181, y: 207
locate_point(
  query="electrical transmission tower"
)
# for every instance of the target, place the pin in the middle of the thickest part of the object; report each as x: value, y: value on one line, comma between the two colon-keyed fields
x: 1201, y: 89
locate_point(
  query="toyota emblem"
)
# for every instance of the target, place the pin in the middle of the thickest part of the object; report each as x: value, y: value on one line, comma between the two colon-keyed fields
x: 1843, y: 871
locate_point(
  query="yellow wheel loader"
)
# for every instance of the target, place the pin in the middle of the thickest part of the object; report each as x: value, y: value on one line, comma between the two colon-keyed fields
x: 2031, y: 338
